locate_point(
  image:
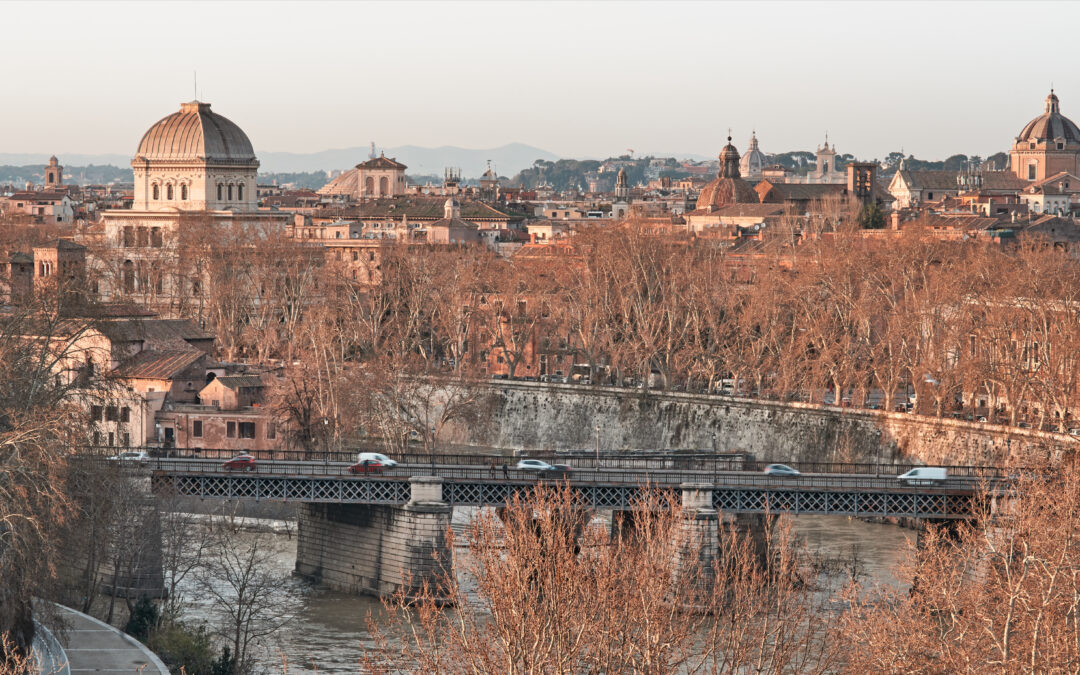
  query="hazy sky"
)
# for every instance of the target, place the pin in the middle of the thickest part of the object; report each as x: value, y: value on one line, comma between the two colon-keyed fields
x: 578, y: 79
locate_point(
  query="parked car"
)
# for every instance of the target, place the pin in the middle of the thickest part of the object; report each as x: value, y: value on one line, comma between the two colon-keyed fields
x: 780, y: 470
x: 924, y: 475
x: 244, y: 462
x: 376, y: 457
x: 532, y: 465
x: 367, y: 466
x: 140, y: 458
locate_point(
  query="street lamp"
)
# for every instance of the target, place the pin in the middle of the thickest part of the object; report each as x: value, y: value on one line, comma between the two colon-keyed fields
x: 598, y: 447
x: 326, y: 441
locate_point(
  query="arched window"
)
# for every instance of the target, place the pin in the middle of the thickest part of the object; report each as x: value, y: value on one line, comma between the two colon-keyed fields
x: 240, y: 192
x: 384, y: 186
x: 230, y: 193
x: 183, y: 192
x: 219, y: 191
x: 157, y: 194
x: 168, y: 192
x: 369, y: 185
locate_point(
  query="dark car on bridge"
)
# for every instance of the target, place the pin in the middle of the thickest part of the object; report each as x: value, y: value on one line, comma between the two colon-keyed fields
x: 556, y: 471
x: 243, y: 462
x: 367, y: 466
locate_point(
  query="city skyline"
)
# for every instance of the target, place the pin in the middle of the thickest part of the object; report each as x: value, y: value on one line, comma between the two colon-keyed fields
x: 589, y: 80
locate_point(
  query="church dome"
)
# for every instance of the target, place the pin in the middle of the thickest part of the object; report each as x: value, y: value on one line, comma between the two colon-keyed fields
x: 196, y: 133
x: 729, y: 187
x: 1050, y: 125
x: 753, y: 162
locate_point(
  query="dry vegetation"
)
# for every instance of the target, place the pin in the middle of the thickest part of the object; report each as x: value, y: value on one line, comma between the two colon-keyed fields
x: 953, y: 322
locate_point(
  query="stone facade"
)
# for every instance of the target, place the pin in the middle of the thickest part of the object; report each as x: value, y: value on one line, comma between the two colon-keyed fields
x: 376, y: 549
x: 534, y: 416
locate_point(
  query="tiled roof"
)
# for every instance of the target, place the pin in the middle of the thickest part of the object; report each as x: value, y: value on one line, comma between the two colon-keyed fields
x: 749, y: 210
x: 418, y: 208
x: 156, y: 333
x: 801, y: 191
x: 946, y: 180
x: 453, y: 222
x: 158, y: 365
x: 954, y: 222
x: 234, y: 382
x: 62, y: 245
x: 382, y: 162
x: 1060, y: 177
x: 38, y: 196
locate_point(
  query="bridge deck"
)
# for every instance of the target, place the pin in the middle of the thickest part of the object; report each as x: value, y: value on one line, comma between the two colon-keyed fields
x: 736, y: 492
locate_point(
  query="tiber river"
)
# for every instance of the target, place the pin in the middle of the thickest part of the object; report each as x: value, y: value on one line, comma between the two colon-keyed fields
x: 329, y: 629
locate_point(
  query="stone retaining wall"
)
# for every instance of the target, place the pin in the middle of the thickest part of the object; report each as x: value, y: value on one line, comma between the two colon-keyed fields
x: 541, y: 416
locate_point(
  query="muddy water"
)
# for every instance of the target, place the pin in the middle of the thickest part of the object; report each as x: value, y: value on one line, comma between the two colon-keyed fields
x: 328, y: 630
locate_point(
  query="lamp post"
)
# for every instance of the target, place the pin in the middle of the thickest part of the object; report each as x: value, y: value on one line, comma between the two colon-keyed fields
x: 433, y: 450
x: 326, y: 441
x: 598, y: 447
x: 714, y: 453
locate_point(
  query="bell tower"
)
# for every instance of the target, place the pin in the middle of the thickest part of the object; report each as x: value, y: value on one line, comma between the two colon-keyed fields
x: 54, y: 173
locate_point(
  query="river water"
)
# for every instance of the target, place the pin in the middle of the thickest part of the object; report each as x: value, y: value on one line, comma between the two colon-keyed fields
x: 328, y: 629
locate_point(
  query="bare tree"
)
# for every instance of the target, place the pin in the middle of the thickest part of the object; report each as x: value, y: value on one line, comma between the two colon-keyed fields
x: 245, y: 592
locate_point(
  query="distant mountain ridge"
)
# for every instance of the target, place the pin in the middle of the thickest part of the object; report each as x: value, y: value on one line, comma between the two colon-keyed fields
x: 507, y: 159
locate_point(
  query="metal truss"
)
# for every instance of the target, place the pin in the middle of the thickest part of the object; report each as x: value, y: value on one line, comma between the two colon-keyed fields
x: 467, y: 492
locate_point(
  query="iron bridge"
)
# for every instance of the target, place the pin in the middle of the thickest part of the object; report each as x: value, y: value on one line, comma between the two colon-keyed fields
x: 749, y: 494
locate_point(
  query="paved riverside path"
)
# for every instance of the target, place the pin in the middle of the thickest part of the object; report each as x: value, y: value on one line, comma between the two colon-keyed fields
x: 93, y: 646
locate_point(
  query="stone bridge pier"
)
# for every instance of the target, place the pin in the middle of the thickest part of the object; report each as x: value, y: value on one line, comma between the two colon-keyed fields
x: 701, y: 531
x: 377, y: 549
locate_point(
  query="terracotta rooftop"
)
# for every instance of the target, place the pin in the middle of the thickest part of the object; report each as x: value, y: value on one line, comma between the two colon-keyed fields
x: 418, y: 208
x: 381, y: 162
x: 234, y: 382
x: 156, y: 333
x: 158, y: 365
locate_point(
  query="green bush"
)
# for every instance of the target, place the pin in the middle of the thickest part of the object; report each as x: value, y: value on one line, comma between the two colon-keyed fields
x: 143, y: 619
x: 192, y: 649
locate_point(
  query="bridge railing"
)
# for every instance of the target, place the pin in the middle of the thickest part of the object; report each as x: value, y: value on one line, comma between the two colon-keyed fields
x: 659, y: 478
x: 653, y: 460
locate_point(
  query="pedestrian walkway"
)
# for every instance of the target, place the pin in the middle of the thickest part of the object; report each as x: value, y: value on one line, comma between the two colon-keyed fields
x: 93, y: 646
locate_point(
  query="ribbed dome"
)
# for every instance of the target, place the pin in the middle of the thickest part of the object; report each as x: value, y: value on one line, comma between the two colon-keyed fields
x: 725, y: 191
x: 196, y: 133
x: 1050, y: 125
x: 729, y: 187
x: 753, y: 161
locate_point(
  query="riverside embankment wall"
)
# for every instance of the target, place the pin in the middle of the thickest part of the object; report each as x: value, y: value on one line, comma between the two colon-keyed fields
x: 542, y: 416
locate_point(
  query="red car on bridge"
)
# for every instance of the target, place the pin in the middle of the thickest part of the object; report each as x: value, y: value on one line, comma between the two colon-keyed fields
x: 367, y: 466
x: 243, y: 462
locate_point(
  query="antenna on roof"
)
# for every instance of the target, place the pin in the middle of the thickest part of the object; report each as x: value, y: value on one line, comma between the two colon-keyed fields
x: 195, y: 84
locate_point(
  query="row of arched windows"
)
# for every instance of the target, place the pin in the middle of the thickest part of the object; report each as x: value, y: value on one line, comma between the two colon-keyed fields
x: 170, y: 192
x: 229, y: 192
x: 384, y: 186
x: 225, y: 192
